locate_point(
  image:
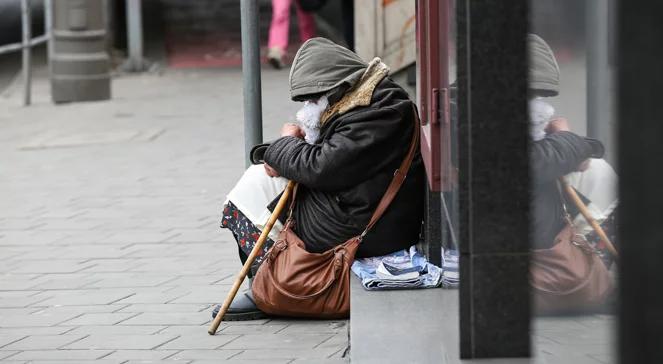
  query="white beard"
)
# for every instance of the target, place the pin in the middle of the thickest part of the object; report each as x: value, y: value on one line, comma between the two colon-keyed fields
x: 540, y: 113
x: 308, y: 118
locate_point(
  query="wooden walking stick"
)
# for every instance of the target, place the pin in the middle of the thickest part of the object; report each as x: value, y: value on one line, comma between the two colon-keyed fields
x: 588, y: 216
x: 252, y: 257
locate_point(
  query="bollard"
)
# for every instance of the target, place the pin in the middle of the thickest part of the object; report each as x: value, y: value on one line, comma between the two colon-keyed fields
x: 80, y: 65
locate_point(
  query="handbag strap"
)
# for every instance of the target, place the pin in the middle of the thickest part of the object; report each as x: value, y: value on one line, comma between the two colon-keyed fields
x: 394, y: 186
x: 399, y: 176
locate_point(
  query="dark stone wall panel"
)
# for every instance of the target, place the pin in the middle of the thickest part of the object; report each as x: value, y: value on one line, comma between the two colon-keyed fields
x: 494, y: 196
x: 494, y: 172
x: 640, y: 137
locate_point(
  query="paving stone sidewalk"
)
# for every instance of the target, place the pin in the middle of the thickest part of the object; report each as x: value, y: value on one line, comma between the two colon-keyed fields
x: 110, y: 249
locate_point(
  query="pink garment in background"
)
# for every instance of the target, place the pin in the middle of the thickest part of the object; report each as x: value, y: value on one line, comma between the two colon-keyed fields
x: 278, y: 29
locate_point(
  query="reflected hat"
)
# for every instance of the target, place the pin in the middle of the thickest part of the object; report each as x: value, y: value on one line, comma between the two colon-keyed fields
x: 543, y: 68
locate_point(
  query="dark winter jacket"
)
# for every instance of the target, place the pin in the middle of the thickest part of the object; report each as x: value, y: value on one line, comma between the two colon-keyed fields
x: 551, y: 158
x: 343, y: 176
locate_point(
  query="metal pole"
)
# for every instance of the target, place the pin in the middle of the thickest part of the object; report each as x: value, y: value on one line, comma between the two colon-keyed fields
x: 251, y: 72
x: 135, y: 35
x: 600, y: 89
x: 27, y: 34
x: 48, y: 30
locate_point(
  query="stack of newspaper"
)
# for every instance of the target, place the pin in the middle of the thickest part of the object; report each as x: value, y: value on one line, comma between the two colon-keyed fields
x: 404, y: 269
x: 450, y: 276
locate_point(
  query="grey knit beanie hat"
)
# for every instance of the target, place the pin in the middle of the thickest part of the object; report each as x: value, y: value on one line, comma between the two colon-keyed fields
x: 543, y: 68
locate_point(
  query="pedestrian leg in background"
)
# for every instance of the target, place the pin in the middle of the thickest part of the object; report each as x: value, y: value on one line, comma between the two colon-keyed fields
x: 278, y: 32
x: 306, y: 23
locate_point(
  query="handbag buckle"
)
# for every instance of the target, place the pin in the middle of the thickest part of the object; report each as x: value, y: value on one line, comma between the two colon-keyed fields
x: 281, y: 245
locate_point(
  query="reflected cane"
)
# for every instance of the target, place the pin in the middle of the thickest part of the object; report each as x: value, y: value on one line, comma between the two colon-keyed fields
x: 588, y: 216
x: 252, y: 257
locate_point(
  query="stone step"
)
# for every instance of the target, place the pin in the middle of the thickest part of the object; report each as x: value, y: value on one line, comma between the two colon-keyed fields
x: 406, y: 326
x: 421, y: 326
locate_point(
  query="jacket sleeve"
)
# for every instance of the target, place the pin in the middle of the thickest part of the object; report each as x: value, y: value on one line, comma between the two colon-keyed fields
x: 359, y: 147
x: 557, y: 155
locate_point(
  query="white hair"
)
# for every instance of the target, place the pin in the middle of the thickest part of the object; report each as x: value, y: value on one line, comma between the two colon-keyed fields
x: 540, y: 113
x: 308, y: 118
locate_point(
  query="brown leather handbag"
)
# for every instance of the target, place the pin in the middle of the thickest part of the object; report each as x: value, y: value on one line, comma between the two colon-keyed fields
x: 293, y: 282
x: 570, y: 276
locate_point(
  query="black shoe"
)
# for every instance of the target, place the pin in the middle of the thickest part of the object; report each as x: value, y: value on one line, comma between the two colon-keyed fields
x: 275, y: 58
x: 243, y: 308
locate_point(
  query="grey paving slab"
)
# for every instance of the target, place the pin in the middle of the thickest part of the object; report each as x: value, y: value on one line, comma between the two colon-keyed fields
x: 129, y: 237
x: 33, y: 320
x: 6, y: 339
x: 168, y: 318
x: 203, y: 294
x: 165, y: 361
x: 285, y: 353
x: 115, y: 280
x: 110, y: 265
x: 100, y: 296
x: 23, y: 238
x: 186, y: 330
x: 96, y: 361
x: 313, y: 327
x: 52, y: 266
x: 89, y: 319
x: 14, y: 299
x: 129, y: 342
x: 200, y: 340
x: 240, y: 361
x: 19, y: 224
x: 63, y: 355
x: 44, y: 342
x: 77, y: 309
x: 114, y: 330
x: 268, y: 328
x: 62, y: 281
x: 4, y: 354
x: 141, y: 355
x: 338, y: 341
x: 67, y: 224
x: 93, y: 252
x: 33, y: 331
x: 186, y: 308
x: 205, y: 354
x: 277, y: 341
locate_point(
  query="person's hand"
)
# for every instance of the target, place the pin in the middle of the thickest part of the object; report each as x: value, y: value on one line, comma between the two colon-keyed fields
x: 292, y: 129
x: 270, y: 171
x: 557, y: 124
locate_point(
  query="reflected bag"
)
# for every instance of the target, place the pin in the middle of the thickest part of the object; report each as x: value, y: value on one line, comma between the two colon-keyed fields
x: 570, y: 276
x: 293, y: 282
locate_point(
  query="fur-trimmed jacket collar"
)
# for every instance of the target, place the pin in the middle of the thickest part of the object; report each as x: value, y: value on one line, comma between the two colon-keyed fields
x: 361, y: 93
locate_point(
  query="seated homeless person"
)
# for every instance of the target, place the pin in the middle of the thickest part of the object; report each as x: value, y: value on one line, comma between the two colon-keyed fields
x: 356, y: 127
x: 565, y: 282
